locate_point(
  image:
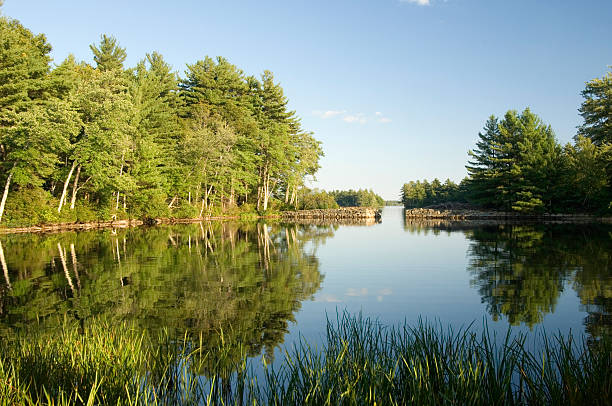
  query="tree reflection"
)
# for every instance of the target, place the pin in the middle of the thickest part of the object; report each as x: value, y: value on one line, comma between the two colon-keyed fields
x: 517, y: 271
x: 246, y: 280
x: 520, y: 270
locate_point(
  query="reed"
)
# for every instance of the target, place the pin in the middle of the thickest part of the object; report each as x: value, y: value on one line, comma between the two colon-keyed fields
x: 360, y: 362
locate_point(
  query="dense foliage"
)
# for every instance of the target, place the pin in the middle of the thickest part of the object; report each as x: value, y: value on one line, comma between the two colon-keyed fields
x: 315, y: 199
x: 518, y: 165
x: 357, y: 198
x: 80, y: 142
x: 425, y: 193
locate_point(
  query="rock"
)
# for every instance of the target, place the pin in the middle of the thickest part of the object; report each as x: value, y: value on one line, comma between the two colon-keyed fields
x: 333, y: 214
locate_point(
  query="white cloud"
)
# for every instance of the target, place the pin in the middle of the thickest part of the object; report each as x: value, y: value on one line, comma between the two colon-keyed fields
x: 419, y: 2
x: 357, y: 118
x: 380, y: 117
x: 356, y: 292
x: 348, y: 117
x: 328, y: 114
x: 327, y: 299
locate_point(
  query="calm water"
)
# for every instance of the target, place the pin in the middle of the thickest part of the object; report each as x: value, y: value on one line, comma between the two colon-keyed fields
x: 265, y: 284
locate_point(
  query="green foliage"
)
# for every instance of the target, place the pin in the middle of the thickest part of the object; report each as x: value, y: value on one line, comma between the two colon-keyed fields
x: 316, y: 199
x: 515, y: 164
x: 596, y: 110
x: 424, y: 193
x: 361, y: 362
x: 108, y: 55
x: 30, y: 206
x: 134, y: 142
x: 357, y: 198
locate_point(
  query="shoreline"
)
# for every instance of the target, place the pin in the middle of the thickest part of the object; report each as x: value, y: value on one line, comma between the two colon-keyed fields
x: 321, y: 216
x: 97, y: 225
x: 463, y: 215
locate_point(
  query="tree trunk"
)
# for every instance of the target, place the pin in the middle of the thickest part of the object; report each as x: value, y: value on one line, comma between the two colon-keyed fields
x: 65, y: 189
x: 6, y: 190
x: 74, y: 188
x: 74, y: 265
x: 202, y: 207
x: 65, y: 267
x: 266, y: 191
x: 120, y: 174
x: 4, y: 267
x: 172, y: 202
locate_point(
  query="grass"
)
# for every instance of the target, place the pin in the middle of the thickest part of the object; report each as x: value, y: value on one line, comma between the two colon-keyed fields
x: 361, y: 362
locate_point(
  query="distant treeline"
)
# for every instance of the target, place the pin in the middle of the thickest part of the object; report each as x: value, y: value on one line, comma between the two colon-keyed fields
x: 357, y: 198
x: 425, y: 193
x: 518, y: 164
x: 320, y: 199
x: 81, y: 142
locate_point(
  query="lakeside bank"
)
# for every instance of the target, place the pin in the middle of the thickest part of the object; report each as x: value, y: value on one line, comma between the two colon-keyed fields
x: 460, y: 215
x: 344, y: 214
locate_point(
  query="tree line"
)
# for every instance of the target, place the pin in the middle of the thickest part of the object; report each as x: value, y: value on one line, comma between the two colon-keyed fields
x: 309, y: 199
x: 80, y: 142
x: 518, y: 165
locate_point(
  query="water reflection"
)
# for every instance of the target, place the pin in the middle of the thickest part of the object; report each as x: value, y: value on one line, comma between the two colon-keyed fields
x: 520, y: 270
x: 248, y: 280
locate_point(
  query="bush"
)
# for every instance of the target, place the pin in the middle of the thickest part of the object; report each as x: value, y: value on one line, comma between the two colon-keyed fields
x: 29, y: 207
x: 185, y: 211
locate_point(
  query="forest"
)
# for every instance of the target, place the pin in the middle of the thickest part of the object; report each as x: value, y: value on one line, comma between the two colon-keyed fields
x: 81, y: 142
x: 518, y: 164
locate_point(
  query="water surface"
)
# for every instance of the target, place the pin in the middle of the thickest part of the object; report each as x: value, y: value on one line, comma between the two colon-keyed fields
x: 266, y: 284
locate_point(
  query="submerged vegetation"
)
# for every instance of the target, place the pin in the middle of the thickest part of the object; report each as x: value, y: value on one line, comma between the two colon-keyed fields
x: 82, y: 143
x: 360, y: 362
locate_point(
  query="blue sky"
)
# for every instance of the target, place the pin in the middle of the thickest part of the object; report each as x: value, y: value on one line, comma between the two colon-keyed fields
x: 396, y: 90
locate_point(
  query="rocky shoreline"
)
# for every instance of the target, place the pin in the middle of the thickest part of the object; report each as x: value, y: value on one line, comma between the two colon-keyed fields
x: 361, y: 215
x: 61, y: 227
x: 483, y: 215
x: 342, y: 213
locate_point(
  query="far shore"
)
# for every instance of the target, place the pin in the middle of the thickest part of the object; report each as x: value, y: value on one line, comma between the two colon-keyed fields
x: 461, y: 215
x: 473, y: 216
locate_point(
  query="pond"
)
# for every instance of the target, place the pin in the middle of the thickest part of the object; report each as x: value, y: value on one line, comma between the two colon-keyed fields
x: 266, y: 284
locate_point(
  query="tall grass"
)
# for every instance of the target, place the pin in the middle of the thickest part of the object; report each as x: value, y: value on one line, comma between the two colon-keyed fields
x: 361, y: 362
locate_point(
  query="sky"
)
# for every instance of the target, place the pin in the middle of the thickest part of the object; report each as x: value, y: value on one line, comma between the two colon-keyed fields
x: 396, y: 90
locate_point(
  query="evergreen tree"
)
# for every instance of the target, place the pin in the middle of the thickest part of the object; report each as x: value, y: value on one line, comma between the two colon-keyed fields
x: 24, y: 68
x: 153, y: 93
x: 482, y: 167
x: 108, y: 55
x: 596, y: 110
x: 514, y: 165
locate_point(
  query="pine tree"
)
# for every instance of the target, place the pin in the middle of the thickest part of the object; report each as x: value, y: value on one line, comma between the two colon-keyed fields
x: 596, y: 110
x: 24, y: 68
x: 108, y: 55
x: 514, y: 165
x: 154, y: 117
x: 482, y: 167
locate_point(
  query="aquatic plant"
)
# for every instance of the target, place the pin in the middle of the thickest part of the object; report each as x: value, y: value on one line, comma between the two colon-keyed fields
x: 360, y: 362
